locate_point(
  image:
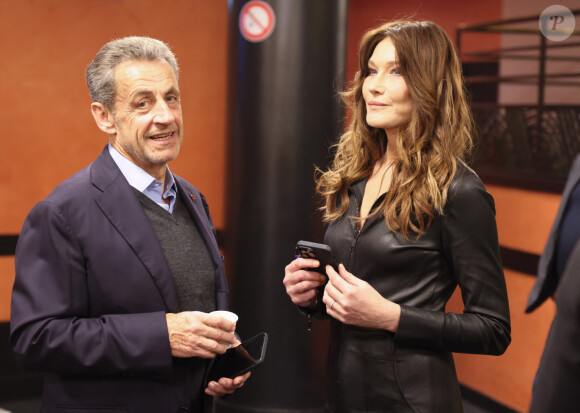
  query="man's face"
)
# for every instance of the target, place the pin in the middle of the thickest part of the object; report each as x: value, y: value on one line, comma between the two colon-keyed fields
x: 147, y: 114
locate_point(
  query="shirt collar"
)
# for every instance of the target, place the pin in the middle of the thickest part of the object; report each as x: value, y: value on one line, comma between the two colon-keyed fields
x: 137, y: 177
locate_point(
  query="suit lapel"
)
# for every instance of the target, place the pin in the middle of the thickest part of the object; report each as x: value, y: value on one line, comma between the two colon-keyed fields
x: 199, y: 211
x: 573, y: 177
x: 125, y: 213
x: 194, y: 204
x: 546, y: 282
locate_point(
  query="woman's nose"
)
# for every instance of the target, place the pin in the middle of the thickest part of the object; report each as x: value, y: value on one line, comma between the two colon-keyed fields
x: 376, y: 87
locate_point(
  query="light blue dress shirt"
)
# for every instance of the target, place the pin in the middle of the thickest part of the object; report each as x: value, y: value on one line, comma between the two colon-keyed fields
x: 145, y: 183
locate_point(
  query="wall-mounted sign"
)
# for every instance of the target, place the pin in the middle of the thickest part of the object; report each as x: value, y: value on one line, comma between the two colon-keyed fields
x: 257, y: 21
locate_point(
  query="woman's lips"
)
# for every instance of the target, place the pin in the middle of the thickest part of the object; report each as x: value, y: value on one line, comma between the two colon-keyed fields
x: 376, y: 105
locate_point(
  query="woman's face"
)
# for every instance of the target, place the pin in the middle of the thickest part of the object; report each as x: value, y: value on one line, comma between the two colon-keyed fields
x: 385, y: 92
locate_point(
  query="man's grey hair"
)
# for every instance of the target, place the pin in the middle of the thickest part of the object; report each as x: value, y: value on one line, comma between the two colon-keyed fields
x: 100, y: 74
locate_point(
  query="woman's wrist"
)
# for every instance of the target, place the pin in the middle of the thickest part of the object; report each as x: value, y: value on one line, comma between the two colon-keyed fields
x: 396, y: 317
x: 391, y: 317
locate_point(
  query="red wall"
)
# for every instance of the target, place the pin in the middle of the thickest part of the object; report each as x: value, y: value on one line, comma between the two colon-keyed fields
x: 364, y: 14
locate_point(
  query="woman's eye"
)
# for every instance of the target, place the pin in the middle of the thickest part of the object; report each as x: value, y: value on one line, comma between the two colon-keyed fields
x: 371, y: 72
x: 396, y: 71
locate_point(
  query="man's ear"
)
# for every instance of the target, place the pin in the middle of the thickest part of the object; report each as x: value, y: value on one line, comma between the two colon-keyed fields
x: 103, y: 118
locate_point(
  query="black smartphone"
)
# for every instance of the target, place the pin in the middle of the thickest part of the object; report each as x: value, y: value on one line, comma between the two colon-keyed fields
x: 240, y: 359
x: 321, y: 252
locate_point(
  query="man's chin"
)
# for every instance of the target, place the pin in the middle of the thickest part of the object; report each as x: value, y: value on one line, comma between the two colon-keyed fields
x: 163, y: 156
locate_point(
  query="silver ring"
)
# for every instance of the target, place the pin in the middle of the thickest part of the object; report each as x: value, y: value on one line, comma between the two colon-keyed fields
x: 332, y: 305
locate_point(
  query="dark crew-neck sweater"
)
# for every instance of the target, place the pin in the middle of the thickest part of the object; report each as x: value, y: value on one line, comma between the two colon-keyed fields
x: 192, y: 269
x: 186, y: 253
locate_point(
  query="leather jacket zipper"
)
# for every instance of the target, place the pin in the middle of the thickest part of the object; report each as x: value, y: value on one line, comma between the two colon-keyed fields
x: 357, y: 232
x: 353, y: 246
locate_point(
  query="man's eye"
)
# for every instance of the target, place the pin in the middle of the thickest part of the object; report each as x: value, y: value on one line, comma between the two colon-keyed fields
x: 142, y: 104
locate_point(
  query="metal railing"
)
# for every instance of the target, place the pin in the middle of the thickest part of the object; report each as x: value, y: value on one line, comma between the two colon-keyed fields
x: 529, y: 145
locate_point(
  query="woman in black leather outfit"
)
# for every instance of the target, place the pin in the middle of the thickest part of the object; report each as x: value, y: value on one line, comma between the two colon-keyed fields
x: 408, y: 221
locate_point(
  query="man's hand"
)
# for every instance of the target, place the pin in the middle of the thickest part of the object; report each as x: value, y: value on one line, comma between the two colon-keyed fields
x: 196, y: 334
x: 226, y: 386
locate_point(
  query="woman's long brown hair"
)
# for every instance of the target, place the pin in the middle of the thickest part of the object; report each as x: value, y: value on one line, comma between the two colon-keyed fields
x: 429, y: 147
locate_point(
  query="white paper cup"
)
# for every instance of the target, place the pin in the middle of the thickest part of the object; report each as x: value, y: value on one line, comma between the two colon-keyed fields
x: 228, y: 315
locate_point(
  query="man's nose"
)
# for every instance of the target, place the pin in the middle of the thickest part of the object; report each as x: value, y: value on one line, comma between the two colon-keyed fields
x: 163, y: 113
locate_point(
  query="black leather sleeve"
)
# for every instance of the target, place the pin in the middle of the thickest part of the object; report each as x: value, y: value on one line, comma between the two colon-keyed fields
x: 470, y: 243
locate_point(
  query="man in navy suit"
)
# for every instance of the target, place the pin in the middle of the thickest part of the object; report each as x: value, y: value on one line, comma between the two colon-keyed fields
x: 558, y: 377
x: 118, y: 268
x: 561, y: 241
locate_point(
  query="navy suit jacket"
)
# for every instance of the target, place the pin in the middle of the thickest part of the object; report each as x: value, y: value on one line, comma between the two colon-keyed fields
x: 558, y: 377
x: 91, y: 292
x: 547, y: 280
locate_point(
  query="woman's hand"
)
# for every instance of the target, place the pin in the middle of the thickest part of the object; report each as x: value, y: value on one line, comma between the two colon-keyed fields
x: 301, y: 284
x: 353, y: 301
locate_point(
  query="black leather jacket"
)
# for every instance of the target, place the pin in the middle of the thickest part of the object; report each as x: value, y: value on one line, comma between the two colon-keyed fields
x: 413, y: 370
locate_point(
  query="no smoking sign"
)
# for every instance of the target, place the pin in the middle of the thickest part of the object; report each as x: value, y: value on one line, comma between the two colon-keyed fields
x: 257, y: 21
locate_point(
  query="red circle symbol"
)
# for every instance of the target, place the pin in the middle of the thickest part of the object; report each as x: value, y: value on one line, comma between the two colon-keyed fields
x: 257, y: 21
